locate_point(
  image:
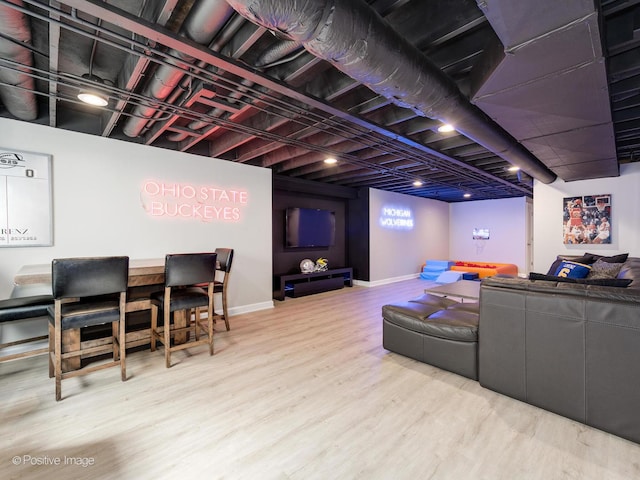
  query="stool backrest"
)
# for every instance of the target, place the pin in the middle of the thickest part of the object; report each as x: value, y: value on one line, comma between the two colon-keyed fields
x: 189, y: 269
x: 225, y: 257
x: 89, y: 276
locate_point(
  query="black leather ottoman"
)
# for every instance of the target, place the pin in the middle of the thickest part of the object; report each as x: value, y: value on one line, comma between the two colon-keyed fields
x: 434, y: 330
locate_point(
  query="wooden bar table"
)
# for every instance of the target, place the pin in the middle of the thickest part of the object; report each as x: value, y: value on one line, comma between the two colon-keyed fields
x: 142, y: 273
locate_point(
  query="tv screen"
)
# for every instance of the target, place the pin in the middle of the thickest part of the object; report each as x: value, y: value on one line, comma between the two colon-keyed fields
x: 310, y: 227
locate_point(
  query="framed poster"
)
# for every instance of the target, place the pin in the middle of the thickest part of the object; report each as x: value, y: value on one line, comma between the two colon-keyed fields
x: 25, y: 199
x: 587, y: 219
x: 480, y: 234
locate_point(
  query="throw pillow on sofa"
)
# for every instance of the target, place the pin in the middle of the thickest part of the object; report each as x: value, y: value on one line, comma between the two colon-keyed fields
x: 586, y: 259
x: 572, y: 270
x: 621, y: 258
x: 603, y: 269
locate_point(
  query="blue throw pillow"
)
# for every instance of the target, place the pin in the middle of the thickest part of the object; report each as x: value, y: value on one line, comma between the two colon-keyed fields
x: 572, y: 270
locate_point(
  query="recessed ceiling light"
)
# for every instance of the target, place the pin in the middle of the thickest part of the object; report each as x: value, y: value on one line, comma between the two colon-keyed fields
x: 330, y: 161
x: 417, y: 183
x: 93, y: 98
x: 466, y: 195
x: 445, y: 127
x: 91, y: 95
x: 513, y: 168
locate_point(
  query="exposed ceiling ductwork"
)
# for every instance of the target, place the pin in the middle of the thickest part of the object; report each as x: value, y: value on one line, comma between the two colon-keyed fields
x: 16, y: 86
x: 356, y: 40
x: 560, y: 79
x: 201, y: 25
x: 537, y: 81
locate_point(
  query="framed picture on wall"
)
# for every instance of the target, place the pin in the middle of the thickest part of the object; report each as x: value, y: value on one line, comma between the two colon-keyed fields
x: 25, y: 199
x: 587, y: 219
x: 480, y: 234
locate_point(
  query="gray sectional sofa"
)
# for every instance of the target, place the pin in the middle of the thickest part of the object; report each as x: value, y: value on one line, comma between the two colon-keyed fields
x: 570, y: 348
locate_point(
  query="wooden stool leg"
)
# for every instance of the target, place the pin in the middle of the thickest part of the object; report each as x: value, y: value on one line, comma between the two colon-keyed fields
x: 224, y: 309
x: 114, y: 343
x: 122, y: 343
x: 167, y: 338
x: 52, y: 350
x: 210, y: 326
x: 154, y: 327
x: 196, y: 324
x: 58, y: 356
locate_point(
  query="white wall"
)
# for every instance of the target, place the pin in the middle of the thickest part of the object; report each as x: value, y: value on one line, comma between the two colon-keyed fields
x: 397, y: 253
x: 98, y: 208
x: 506, y: 221
x: 625, y: 216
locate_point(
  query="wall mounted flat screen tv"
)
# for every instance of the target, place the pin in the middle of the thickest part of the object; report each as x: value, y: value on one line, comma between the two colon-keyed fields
x: 309, y: 227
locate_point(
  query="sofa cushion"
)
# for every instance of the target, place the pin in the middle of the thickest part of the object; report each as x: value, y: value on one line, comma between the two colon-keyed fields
x: 453, y: 325
x: 631, y: 270
x: 472, y: 307
x: 435, y: 300
x: 411, y: 315
x: 450, y: 324
x: 572, y: 270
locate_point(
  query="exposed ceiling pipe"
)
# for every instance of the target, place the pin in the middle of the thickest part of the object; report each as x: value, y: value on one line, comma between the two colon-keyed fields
x: 276, y: 53
x: 225, y: 36
x: 20, y: 102
x: 270, y: 56
x: 355, y: 39
x: 215, y: 112
x: 204, y: 21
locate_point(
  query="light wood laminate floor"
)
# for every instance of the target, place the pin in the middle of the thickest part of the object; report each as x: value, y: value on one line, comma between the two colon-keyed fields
x: 301, y: 391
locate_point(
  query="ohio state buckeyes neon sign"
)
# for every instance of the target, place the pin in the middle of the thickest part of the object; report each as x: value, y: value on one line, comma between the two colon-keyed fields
x: 205, y: 203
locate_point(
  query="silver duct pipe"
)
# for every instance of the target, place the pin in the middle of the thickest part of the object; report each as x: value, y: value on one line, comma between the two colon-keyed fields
x: 355, y: 39
x: 274, y: 54
x: 205, y: 19
x: 20, y: 102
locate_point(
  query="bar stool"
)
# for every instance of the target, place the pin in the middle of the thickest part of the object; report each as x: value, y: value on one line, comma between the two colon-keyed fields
x: 183, y: 273
x: 225, y: 258
x: 87, y: 292
x: 19, y: 310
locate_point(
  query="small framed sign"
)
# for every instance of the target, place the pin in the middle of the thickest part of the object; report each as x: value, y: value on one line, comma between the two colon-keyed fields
x: 481, y: 234
x: 25, y: 199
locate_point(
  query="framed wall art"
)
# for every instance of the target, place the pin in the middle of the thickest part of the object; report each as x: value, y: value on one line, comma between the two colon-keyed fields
x: 25, y: 199
x: 587, y: 219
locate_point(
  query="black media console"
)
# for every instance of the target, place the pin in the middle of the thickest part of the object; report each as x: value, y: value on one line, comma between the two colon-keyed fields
x: 299, y: 284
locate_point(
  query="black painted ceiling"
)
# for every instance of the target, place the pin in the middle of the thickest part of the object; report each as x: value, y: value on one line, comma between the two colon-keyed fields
x: 560, y: 79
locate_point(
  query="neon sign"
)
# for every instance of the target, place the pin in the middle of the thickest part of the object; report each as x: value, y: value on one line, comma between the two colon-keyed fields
x: 205, y: 203
x: 399, y: 218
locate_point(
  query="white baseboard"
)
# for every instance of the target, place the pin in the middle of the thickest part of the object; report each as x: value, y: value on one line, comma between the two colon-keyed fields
x: 254, y: 307
x: 385, y: 281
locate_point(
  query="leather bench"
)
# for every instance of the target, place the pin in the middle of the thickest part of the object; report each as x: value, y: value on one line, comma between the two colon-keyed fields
x: 434, y: 330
